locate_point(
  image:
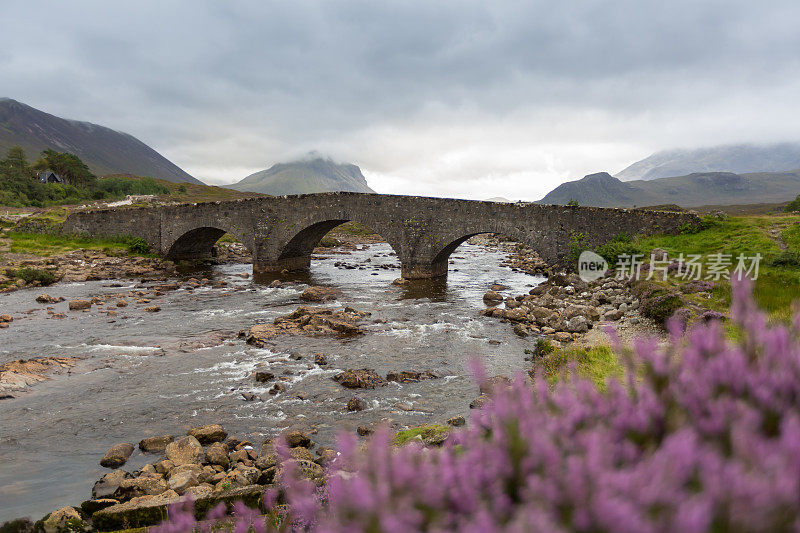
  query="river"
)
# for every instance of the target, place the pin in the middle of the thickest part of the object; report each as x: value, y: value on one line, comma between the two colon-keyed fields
x: 144, y: 374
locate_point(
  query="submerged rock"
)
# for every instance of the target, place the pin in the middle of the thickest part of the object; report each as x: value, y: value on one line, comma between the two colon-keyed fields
x: 317, y: 293
x: 155, y: 444
x: 117, y: 455
x: 364, y: 378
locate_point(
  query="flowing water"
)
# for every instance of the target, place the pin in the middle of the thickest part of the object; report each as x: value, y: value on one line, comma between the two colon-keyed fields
x: 144, y: 374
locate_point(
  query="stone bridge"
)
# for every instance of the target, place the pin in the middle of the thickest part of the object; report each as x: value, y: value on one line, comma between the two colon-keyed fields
x: 281, y: 232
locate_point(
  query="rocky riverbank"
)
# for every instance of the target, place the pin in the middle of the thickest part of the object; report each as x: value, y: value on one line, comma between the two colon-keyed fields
x: 205, y: 464
x: 564, y: 307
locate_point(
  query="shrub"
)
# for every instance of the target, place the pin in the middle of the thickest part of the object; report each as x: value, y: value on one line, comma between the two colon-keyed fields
x: 29, y: 275
x: 620, y: 244
x: 786, y: 259
x: 137, y: 245
x: 702, y: 435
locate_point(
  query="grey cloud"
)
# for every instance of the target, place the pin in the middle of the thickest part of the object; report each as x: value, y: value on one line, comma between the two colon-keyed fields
x: 238, y: 85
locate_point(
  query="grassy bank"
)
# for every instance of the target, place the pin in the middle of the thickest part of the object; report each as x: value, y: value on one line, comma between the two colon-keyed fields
x: 47, y: 245
x: 776, y: 238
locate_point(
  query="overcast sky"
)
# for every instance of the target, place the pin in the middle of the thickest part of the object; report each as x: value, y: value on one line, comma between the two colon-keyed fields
x: 446, y: 98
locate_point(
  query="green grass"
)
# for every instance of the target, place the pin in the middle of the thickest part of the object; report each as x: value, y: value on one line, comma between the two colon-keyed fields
x: 778, y: 283
x: 597, y: 364
x: 46, y: 244
x: 353, y: 228
x: 402, y: 437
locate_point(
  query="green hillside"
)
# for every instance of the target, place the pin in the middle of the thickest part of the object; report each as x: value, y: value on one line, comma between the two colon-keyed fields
x: 104, y: 150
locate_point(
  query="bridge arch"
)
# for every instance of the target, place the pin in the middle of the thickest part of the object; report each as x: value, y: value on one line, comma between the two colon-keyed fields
x: 445, y: 247
x: 293, y: 251
x: 197, y: 243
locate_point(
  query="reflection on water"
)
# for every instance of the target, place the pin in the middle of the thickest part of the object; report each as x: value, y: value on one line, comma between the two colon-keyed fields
x: 146, y: 374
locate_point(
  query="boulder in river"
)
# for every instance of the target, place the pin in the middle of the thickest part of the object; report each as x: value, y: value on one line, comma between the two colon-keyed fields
x: 79, y: 305
x: 363, y: 378
x: 317, y: 293
x: 262, y: 376
x: 117, y: 455
x: 186, y: 450
x: 356, y: 404
x: 492, y: 297
x: 296, y: 438
x: 108, y: 484
x: 208, y: 433
x: 410, y: 376
x: 47, y: 299
x: 155, y: 444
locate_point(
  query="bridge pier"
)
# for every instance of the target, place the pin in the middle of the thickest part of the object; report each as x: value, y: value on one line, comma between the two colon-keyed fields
x: 276, y: 266
x: 417, y: 270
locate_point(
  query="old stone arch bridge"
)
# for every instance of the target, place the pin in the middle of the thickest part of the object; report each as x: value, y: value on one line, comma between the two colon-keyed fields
x: 282, y: 231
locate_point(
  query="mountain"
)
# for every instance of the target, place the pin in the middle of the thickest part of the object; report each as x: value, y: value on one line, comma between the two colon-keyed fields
x: 738, y: 158
x: 313, y: 174
x: 104, y: 150
x: 700, y: 188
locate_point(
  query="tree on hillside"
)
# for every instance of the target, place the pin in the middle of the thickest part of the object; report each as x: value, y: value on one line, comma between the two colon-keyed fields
x: 15, y: 164
x: 794, y: 205
x: 68, y: 166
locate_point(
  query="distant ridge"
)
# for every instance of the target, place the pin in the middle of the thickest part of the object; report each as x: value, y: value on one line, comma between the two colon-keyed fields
x: 736, y: 158
x: 310, y: 175
x: 693, y: 190
x: 104, y: 150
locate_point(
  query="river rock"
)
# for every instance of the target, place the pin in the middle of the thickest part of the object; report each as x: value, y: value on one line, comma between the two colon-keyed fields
x: 155, y: 444
x: 163, y: 467
x: 356, y: 404
x: 122, y: 303
x: 456, y: 421
x: 490, y: 384
x: 364, y: 378
x: 320, y: 359
x: 262, y: 376
x: 152, y: 309
x: 78, y: 305
x: 267, y: 461
x: 6, y: 318
x: 47, y: 299
x: 516, y: 315
x: 208, y: 433
x: 182, y: 481
x: 577, y: 324
x: 479, y: 402
x: 108, y: 484
x: 301, y: 454
x: 64, y: 519
x: 185, y: 450
x: 217, y: 454
x: 296, y: 438
x: 492, y: 297
x: 317, y: 293
x: 147, y: 485
x: 117, y: 455
x: 410, y: 376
